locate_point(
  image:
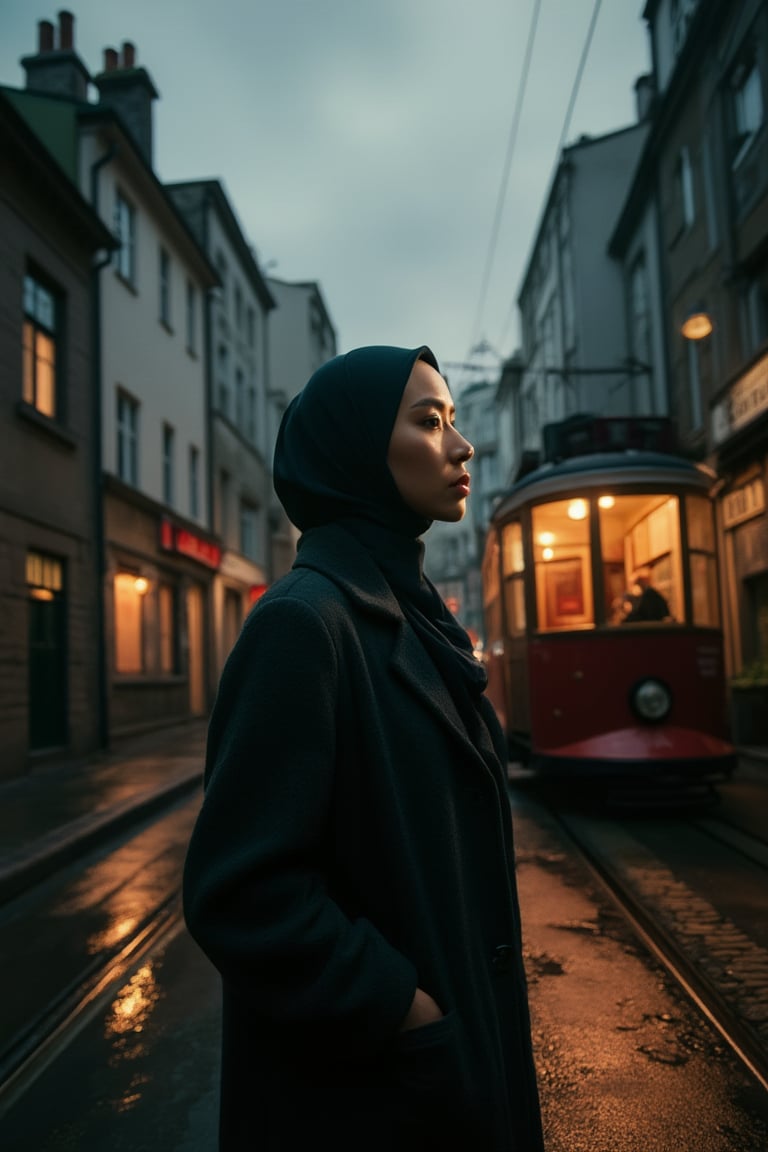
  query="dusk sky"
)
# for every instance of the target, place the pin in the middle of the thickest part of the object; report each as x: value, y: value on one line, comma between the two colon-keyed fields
x: 363, y: 143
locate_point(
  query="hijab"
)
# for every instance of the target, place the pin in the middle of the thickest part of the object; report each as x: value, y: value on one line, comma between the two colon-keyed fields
x: 330, y: 466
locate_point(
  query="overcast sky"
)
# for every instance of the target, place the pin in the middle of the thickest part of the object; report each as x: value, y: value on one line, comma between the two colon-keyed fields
x: 363, y: 142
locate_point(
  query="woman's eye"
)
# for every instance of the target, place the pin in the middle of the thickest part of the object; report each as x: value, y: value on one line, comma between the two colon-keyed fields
x: 432, y: 422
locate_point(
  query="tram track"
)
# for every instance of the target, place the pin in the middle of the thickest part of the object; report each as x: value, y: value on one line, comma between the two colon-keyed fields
x: 29, y: 1052
x: 716, y: 965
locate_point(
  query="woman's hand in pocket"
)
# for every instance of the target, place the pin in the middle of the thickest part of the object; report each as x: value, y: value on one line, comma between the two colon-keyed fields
x: 423, y: 1010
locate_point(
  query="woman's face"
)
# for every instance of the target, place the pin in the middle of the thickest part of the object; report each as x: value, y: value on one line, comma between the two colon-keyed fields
x: 426, y: 453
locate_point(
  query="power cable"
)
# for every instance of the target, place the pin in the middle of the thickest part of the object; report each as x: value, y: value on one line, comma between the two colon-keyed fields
x: 511, y: 143
x: 565, y: 129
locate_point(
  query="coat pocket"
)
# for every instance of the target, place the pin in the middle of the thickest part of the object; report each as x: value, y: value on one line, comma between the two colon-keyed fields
x: 431, y: 1077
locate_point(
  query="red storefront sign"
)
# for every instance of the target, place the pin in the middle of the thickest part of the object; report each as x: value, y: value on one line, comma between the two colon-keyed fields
x: 186, y: 543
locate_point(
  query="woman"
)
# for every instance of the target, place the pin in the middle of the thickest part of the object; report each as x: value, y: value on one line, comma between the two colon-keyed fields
x: 351, y: 870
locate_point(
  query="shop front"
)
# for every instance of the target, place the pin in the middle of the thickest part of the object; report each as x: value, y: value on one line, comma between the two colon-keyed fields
x: 159, y: 619
x: 740, y: 433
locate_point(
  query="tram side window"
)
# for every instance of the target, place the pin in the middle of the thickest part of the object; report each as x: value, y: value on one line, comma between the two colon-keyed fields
x: 513, y: 569
x: 563, y: 566
x: 492, y: 597
x: 641, y: 556
x: 701, y: 558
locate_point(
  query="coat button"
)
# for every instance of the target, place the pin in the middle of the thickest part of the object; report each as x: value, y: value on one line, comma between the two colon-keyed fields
x: 503, y: 958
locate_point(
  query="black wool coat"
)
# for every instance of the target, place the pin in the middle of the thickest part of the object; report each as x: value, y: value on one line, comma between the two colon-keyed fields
x: 353, y: 844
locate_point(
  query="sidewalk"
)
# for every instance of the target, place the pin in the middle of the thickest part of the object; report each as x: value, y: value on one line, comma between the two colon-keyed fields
x: 59, y: 811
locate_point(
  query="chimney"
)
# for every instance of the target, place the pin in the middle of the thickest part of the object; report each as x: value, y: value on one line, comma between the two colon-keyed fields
x: 128, y: 91
x: 57, y: 69
x: 45, y: 36
x: 645, y: 92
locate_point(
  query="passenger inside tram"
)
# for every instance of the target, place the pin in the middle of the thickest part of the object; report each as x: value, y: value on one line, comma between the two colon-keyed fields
x: 646, y: 602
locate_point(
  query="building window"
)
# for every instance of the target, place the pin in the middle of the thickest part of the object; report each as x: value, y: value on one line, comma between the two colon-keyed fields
x: 223, y: 271
x: 694, y: 385
x: 127, y: 438
x: 130, y: 591
x: 168, y: 464
x: 240, y: 400
x: 194, y: 482
x: 125, y: 230
x: 165, y: 288
x: 191, y: 317
x: 250, y: 327
x: 249, y: 529
x: 169, y: 662
x: 754, y: 314
x: 224, y: 513
x: 238, y: 308
x: 250, y: 417
x: 41, y: 321
x: 685, y: 188
x: 640, y: 319
x: 222, y: 374
x: 747, y: 101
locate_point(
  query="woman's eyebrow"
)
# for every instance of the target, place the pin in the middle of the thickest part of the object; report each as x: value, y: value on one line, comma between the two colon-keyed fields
x: 433, y: 402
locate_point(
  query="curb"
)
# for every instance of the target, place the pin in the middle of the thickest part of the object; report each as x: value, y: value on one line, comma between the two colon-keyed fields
x: 66, y: 844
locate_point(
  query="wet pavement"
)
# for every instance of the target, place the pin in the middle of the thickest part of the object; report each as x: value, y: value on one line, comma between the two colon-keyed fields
x: 626, y: 1064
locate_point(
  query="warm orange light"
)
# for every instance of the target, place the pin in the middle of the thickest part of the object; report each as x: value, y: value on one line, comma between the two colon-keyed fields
x: 546, y: 538
x: 606, y: 501
x: 577, y: 510
x: 548, y: 553
x: 697, y: 325
x: 141, y: 585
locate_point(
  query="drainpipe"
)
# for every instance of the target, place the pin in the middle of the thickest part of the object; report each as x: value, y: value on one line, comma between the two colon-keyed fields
x: 98, y: 483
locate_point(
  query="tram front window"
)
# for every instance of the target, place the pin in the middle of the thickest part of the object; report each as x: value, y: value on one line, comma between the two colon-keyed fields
x: 641, y: 558
x: 563, y: 567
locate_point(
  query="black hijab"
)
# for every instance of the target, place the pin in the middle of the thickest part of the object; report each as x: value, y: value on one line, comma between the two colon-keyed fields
x: 330, y: 466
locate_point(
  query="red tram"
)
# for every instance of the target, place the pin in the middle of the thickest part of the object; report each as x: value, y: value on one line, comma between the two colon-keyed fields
x: 603, y: 640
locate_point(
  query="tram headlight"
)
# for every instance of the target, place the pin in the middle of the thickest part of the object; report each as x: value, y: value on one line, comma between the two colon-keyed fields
x: 651, y: 700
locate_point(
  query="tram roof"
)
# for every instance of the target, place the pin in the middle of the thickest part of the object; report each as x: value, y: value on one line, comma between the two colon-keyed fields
x: 593, y: 469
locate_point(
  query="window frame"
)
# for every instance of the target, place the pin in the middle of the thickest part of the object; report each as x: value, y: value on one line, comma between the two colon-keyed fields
x: 35, y: 327
x: 164, y: 287
x: 127, y: 434
x: 125, y: 232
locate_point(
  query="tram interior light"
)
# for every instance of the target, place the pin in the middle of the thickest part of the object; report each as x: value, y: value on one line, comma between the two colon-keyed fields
x: 577, y: 510
x: 546, y: 538
x: 606, y: 501
x: 548, y: 553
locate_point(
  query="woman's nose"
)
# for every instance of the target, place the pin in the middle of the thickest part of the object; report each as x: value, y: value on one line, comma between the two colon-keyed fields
x: 463, y: 450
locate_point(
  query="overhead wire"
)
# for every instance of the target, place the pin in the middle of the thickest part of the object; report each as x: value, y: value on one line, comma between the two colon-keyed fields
x: 563, y: 132
x: 502, y: 193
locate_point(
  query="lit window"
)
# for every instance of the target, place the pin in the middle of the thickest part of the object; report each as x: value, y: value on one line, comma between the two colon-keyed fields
x: 563, y: 567
x: 127, y: 439
x: 125, y: 230
x: 39, y: 386
x: 130, y: 591
x: 168, y: 645
x: 641, y: 558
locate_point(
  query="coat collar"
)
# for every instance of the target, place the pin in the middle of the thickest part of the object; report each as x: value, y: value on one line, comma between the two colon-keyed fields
x: 339, y: 556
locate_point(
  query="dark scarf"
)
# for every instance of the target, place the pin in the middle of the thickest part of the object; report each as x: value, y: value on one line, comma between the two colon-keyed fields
x: 330, y: 466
